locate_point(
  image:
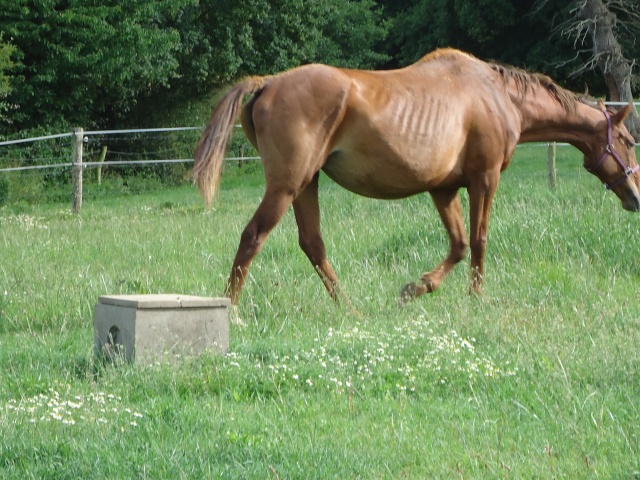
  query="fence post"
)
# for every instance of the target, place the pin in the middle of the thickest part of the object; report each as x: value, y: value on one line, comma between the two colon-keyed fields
x: 551, y: 165
x: 76, y: 165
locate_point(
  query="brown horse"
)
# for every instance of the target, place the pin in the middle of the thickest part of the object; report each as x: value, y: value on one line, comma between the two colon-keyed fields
x: 446, y: 122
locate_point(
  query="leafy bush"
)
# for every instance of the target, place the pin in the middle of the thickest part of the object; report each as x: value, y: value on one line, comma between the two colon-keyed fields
x: 4, y: 189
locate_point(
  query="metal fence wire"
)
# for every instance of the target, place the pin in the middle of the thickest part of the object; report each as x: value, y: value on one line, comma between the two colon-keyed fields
x: 66, y: 155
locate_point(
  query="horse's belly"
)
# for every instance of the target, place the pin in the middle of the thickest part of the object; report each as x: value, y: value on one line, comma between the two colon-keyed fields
x: 379, y: 160
x: 374, y: 177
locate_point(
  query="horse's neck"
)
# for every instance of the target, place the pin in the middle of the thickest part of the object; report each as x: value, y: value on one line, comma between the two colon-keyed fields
x: 545, y: 120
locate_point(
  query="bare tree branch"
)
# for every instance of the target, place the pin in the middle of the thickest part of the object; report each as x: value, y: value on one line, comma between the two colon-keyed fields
x: 595, y: 26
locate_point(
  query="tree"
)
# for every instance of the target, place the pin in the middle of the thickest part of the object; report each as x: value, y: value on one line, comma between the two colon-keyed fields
x: 601, y: 21
x: 224, y: 40
x: 6, y: 64
x: 86, y: 62
x: 508, y: 31
x: 228, y: 39
x: 90, y: 62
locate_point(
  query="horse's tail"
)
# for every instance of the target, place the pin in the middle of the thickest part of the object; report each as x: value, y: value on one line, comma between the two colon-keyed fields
x: 212, y: 146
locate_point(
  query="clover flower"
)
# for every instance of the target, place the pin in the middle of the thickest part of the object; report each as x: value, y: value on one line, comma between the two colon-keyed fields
x: 69, y: 409
x: 407, y: 357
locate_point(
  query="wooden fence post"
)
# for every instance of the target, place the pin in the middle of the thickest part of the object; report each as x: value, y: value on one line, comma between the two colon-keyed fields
x: 76, y: 165
x: 551, y: 165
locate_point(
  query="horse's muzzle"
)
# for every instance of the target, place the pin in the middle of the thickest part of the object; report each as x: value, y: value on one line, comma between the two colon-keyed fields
x: 631, y: 202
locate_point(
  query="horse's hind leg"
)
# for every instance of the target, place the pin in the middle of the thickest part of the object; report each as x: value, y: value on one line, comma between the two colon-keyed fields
x: 270, y: 211
x: 307, y: 212
x: 448, y: 204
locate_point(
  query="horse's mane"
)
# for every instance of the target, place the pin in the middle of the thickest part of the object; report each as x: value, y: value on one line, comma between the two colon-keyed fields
x: 525, y: 81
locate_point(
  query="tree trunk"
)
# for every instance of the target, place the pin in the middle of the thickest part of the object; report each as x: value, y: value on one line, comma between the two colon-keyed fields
x: 607, y: 53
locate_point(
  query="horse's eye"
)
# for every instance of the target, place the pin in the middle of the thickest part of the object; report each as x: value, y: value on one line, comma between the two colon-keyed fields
x: 628, y: 141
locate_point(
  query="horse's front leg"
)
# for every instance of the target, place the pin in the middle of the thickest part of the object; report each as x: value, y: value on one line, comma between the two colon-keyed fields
x: 448, y: 204
x: 481, y: 194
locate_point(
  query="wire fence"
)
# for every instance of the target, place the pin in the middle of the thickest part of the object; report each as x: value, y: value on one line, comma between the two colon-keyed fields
x: 29, y: 166
x: 44, y: 168
x: 103, y: 138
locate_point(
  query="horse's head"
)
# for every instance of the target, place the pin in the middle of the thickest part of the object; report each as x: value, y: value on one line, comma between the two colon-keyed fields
x: 613, y: 159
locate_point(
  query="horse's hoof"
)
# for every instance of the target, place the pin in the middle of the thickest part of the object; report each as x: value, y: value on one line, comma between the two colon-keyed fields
x: 408, y: 293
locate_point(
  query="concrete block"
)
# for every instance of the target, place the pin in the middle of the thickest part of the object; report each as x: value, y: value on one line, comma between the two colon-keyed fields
x: 152, y: 328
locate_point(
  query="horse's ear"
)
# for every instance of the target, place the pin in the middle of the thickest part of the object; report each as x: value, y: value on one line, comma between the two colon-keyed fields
x: 601, y: 105
x: 621, y: 114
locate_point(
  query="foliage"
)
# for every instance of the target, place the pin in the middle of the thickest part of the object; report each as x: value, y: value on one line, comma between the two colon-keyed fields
x: 6, y: 52
x: 86, y: 63
x: 512, y: 32
x: 227, y: 39
x: 89, y: 63
x: 6, y: 64
x: 4, y: 189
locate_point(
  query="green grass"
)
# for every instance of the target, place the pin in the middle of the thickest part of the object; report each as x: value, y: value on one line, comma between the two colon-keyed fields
x: 537, y: 378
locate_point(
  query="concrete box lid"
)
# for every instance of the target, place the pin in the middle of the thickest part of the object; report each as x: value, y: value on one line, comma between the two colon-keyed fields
x: 168, y: 300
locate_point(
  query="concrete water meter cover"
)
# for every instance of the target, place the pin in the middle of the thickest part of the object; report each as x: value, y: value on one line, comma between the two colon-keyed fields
x: 152, y: 328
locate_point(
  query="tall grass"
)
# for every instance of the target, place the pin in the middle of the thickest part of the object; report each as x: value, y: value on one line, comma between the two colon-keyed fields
x: 537, y: 378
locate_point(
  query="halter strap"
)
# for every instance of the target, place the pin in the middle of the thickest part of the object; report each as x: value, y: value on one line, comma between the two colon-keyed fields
x: 610, y: 151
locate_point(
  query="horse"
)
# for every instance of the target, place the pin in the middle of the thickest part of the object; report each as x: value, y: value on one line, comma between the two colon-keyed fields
x: 447, y: 122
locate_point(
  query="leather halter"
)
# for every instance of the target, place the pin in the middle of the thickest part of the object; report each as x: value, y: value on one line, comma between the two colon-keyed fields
x: 610, y: 151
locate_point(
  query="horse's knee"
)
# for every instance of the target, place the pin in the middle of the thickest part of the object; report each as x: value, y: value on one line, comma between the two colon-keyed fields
x: 479, y: 244
x: 250, y: 239
x: 249, y: 234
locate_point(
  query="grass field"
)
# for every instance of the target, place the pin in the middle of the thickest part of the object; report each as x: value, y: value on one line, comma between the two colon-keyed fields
x: 537, y: 378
